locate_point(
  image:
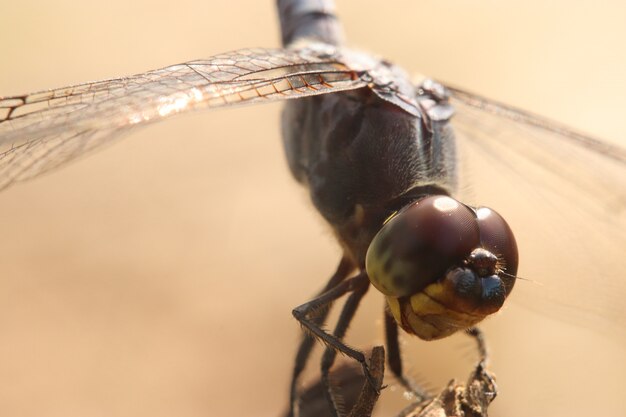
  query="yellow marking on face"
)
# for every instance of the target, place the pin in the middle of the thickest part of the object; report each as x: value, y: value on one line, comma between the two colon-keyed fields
x: 423, y: 304
x: 427, y: 315
x: 437, y: 299
x: 421, y: 326
x: 415, y: 324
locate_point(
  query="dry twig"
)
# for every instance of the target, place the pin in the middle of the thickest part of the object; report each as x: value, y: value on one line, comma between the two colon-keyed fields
x: 470, y: 399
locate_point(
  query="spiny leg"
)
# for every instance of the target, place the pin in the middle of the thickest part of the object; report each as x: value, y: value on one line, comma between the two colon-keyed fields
x: 302, y: 313
x: 306, y: 344
x: 346, y: 316
x: 394, y: 358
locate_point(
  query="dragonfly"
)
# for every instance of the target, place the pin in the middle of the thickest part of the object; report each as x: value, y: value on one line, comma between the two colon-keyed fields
x: 532, y: 274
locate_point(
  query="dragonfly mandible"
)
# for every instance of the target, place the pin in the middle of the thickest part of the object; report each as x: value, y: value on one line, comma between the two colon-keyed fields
x: 532, y: 276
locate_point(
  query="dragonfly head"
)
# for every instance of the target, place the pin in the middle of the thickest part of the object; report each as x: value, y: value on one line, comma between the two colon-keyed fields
x: 443, y: 266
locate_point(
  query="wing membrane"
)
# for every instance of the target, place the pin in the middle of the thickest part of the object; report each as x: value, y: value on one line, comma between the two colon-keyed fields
x: 41, y: 131
x: 564, y: 195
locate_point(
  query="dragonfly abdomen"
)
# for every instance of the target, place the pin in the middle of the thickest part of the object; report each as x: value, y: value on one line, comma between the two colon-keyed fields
x: 312, y: 19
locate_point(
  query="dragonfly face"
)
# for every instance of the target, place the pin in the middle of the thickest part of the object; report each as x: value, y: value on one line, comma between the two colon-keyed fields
x: 435, y: 262
x: 140, y: 204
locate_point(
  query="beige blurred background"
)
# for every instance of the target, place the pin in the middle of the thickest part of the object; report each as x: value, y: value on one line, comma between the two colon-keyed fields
x: 156, y: 278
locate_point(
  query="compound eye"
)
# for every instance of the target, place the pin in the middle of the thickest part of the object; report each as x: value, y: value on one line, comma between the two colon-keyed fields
x: 497, y: 237
x: 419, y: 244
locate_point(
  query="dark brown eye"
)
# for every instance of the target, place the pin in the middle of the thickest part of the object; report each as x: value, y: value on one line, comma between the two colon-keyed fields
x: 417, y: 246
x: 497, y: 237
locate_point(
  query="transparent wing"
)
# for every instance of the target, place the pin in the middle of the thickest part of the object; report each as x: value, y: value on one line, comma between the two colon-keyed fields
x: 564, y: 195
x: 41, y: 131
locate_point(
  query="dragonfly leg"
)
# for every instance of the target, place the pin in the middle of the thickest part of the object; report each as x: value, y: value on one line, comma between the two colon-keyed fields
x: 481, y: 369
x: 479, y: 337
x: 360, y: 398
x: 346, y: 316
x: 394, y: 358
x: 307, y: 342
x: 301, y: 313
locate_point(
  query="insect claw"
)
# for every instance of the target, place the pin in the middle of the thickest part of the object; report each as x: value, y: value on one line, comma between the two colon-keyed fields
x: 376, y: 386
